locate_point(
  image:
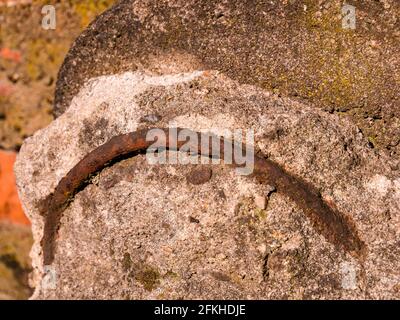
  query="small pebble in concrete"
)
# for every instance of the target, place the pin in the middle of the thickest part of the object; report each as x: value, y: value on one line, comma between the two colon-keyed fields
x: 199, y: 175
x: 260, y: 201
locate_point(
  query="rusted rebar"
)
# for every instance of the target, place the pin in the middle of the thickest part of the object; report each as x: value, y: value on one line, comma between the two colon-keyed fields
x: 333, y: 225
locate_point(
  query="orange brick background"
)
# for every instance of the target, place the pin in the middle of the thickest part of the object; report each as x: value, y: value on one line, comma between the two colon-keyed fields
x: 10, y: 207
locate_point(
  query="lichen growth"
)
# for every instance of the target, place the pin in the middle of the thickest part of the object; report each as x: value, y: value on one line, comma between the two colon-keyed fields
x: 248, y: 213
x: 148, y: 277
x: 126, y: 262
x: 43, y: 55
x: 15, y: 265
x: 88, y: 10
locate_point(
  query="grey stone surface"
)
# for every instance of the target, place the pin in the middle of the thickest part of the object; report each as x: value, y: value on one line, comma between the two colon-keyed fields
x: 294, y: 48
x: 145, y: 231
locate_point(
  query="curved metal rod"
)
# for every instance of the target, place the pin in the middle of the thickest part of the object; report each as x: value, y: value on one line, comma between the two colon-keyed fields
x: 337, y: 228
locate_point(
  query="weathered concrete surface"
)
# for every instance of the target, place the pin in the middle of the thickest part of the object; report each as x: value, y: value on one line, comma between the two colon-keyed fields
x: 294, y: 48
x: 147, y: 231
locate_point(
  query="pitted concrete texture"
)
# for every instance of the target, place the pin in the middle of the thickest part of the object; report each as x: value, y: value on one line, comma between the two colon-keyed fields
x: 140, y: 230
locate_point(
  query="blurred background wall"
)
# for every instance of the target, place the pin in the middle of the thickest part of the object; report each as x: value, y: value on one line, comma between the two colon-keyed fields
x: 29, y: 61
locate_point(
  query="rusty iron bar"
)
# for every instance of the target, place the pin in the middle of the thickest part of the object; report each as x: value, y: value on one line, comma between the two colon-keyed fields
x: 336, y: 227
